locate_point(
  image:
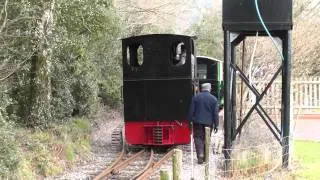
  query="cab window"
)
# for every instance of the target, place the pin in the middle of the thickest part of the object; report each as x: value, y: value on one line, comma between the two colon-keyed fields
x: 202, y: 71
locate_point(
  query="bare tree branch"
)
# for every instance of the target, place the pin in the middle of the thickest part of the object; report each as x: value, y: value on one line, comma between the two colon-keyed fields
x: 10, y: 22
x: 20, y: 65
x: 5, y: 16
x: 147, y: 9
x: 153, y: 8
x: 252, y: 57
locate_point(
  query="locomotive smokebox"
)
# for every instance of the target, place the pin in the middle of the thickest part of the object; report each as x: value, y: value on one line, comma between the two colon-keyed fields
x: 241, y: 15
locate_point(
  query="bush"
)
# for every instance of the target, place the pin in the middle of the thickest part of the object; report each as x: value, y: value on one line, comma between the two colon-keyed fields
x: 74, y: 82
x: 110, y: 91
x: 6, y: 104
x: 85, y: 93
x: 45, y: 153
x: 62, y: 99
x: 9, y: 155
x: 4, y: 101
x: 74, y: 139
x: 43, y: 161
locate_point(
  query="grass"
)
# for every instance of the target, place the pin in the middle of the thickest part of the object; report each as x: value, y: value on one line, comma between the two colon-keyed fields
x: 307, y: 154
x: 35, y: 154
x: 252, y: 163
x: 9, y: 153
x: 306, y: 164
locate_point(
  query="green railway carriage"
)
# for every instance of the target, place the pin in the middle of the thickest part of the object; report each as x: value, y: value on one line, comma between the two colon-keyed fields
x: 210, y: 70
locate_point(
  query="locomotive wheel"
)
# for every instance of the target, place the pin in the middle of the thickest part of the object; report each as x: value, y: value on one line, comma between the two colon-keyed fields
x: 117, y: 139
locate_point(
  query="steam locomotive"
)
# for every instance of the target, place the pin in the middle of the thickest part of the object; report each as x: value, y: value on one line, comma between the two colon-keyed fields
x: 161, y: 74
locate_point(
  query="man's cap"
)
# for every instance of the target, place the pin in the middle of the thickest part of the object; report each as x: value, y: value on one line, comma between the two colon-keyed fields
x: 206, y: 86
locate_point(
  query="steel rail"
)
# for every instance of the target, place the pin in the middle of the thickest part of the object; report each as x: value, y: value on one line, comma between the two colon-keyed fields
x: 155, y: 166
x: 109, y: 168
x: 125, y: 163
x: 117, y: 165
x: 150, y: 162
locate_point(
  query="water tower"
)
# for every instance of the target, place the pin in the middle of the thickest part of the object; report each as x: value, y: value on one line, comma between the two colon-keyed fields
x: 242, y: 18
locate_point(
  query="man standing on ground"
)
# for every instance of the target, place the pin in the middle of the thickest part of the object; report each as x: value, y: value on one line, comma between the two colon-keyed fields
x: 203, y: 113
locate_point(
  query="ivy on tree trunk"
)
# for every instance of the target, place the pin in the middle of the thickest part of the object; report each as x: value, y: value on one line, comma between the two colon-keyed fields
x: 40, y: 78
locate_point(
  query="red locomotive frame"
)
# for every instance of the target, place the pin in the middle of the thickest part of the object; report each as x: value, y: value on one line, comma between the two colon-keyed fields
x: 157, y: 133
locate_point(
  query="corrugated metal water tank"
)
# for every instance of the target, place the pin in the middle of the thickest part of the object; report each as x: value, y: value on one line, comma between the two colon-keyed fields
x: 240, y: 15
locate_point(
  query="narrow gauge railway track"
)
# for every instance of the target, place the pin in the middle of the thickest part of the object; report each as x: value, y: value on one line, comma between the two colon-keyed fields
x: 122, y: 162
x: 156, y: 164
x: 127, y: 166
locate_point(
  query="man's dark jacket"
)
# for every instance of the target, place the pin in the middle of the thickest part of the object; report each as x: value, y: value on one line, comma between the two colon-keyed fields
x: 204, y: 109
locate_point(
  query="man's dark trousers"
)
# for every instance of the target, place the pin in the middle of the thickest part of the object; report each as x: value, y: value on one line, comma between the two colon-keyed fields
x: 199, y: 138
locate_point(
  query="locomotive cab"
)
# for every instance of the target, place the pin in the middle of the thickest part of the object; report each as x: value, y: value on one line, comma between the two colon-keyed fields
x: 158, y: 84
x: 210, y: 70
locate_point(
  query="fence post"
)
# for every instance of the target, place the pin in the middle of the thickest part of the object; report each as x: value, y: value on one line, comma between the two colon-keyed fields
x: 316, y: 91
x: 164, y: 175
x: 206, y: 151
x: 177, y: 164
x: 310, y: 93
x: 300, y: 89
x: 305, y: 99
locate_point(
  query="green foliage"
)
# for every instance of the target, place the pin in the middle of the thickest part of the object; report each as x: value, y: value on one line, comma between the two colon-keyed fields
x: 110, y: 91
x: 9, y: 154
x: 26, y: 154
x: 70, y: 154
x: 250, y: 160
x: 62, y: 102
x: 20, y: 96
x: 5, y: 101
x: 81, y: 125
x: 86, y: 37
x: 74, y: 138
x: 247, y: 163
x: 25, y: 171
x: 210, y: 36
x: 68, y: 68
x: 82, y: 17
x: 43, y: 161
x: 16, y: 48
x: 85, y: 93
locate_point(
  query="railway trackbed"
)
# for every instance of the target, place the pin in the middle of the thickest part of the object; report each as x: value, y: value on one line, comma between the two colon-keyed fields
x: 126, y: 166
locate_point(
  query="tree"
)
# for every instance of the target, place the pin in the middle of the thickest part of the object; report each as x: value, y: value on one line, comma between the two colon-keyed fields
x: 157, y: 16
x: 54, y: 56
x: 40, y: 77
x: 86, y: 56
x: 17, y: 46
x: 210, y: 38
x: 306, y: 45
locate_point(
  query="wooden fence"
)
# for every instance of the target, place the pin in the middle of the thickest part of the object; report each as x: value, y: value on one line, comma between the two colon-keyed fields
x: 305, y: 95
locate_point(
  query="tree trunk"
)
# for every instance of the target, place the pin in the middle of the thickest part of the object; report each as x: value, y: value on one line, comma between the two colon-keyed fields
x: 40, y: 80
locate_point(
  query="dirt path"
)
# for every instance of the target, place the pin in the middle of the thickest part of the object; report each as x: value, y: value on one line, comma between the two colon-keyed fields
x: 306, y: 127
x: 101, y: 152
